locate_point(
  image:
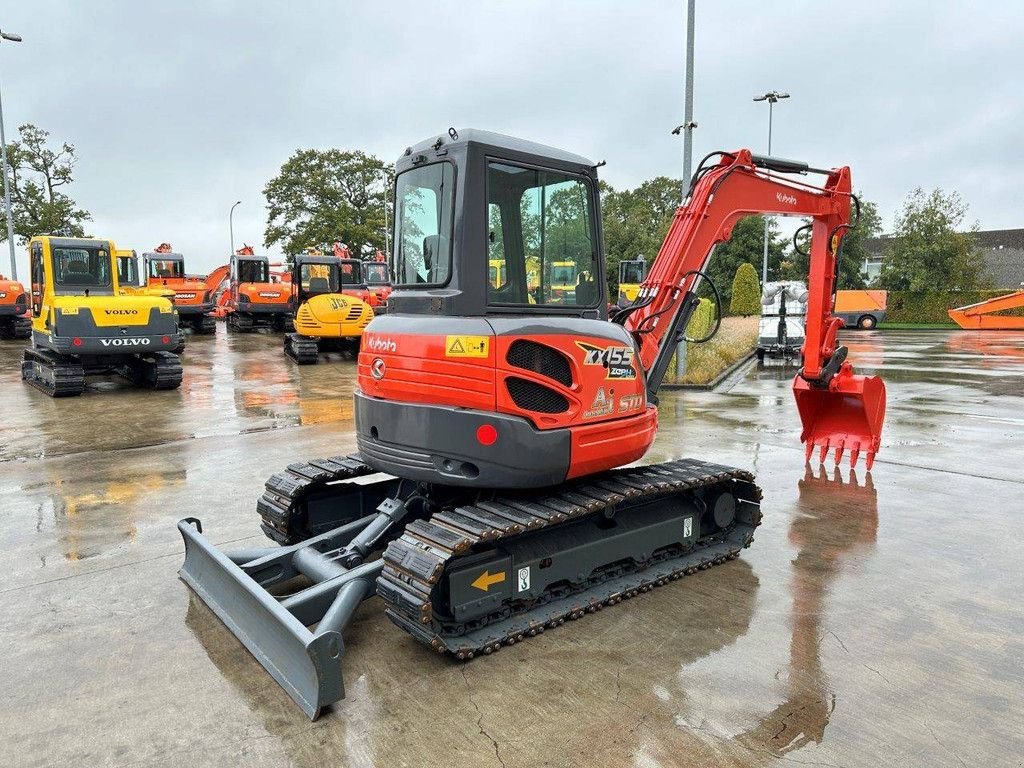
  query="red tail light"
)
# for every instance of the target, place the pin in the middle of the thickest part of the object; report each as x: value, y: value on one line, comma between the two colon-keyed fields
x: 77, y: 341
x: 486, y: 434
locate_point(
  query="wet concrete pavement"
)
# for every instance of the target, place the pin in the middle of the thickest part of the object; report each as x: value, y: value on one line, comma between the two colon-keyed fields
x: 875, y: 620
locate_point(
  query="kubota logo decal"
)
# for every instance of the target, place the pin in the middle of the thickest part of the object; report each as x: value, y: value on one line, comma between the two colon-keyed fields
x: 380, y: 344
x: 124, y: 342
x: 121, y: 311
x: 782, y: 197
x: 618, y: 360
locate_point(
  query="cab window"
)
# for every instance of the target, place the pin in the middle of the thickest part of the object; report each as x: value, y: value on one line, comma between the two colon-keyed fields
x: 376, y: 273
x: 542, y: 238
x: 318, y: 278
x: 127, y: 271
x: 350, y: 273
x: 38, y: 278
x: 424, y: 199
x: 163, y: 268
x: 81, y: 267
x: 631, y: 272
x: 253, y: 272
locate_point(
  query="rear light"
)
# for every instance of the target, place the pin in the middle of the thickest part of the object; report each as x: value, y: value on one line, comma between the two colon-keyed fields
x: 77, y: 341
x: 166, y: 339
x: 486, y: 434
x: 243, y: 299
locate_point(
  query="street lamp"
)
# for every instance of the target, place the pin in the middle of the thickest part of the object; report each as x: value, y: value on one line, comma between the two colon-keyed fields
x: 771, y: 97
x: 11, y: 37
x: 231, y: 225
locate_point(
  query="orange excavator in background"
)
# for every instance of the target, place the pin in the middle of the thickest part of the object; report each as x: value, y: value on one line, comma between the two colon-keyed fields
x: 253, y: 300
x: 982, y: 317
x: 490, y: 499
x: 15, y: 320
x: 163, y: 268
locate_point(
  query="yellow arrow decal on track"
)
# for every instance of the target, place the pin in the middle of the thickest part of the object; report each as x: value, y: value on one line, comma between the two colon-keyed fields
x: 486, y: 579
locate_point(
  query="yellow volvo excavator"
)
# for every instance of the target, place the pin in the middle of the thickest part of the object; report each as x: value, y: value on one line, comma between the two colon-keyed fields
x: 83, y: 323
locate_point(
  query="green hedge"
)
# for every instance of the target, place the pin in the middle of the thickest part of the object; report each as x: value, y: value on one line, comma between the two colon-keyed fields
x: 746, y: 292
x: 701, y: 320
x: 931, y: 306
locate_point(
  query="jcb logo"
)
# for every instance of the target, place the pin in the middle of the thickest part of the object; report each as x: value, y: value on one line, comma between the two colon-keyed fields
x: 124, y: 342
x: 338, y: 303
x: 121, y: 311
x: 618, y: 360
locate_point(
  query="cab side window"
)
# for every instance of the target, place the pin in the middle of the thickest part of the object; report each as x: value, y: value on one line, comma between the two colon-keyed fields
x: 37, y: 278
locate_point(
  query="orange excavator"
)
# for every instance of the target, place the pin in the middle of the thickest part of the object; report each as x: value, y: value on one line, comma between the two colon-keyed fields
x: 490, y: 498
x: 253, y: 301
x: 163, y: 268
x: 15, y: 320
x: 982, y: 317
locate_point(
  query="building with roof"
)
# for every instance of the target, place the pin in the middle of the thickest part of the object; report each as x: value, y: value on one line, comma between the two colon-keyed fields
x: 1001, y: 249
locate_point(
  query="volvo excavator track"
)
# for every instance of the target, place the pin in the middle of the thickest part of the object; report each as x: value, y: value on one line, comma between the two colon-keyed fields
x: 55, y: 374
x: 155, y: 370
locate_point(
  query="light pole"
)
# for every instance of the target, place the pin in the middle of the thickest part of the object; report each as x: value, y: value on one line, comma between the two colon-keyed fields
x: 231, y: 225
x: 687, y: 129
x: 11, y: 37
x: 771, y: 97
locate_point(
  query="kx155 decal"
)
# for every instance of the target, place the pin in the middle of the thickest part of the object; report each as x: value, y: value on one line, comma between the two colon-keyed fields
x: 618, y: 361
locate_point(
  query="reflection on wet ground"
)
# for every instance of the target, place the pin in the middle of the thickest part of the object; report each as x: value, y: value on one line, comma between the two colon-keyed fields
x: 876, y: 619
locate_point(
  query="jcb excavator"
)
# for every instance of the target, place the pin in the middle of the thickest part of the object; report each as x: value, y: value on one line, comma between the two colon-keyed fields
x: 631, y: 276
x: 331, y: 312
x: 253, y: 300
x: 82, y: 322
x: 165, y: 269
x: 501, y: 420
x: 15, y: 322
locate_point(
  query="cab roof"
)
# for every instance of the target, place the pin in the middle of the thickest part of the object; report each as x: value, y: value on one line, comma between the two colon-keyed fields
x: 499, y: 142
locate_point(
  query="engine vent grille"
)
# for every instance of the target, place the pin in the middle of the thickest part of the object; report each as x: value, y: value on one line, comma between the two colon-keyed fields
x: 531, y: 356
x: 531, y: 396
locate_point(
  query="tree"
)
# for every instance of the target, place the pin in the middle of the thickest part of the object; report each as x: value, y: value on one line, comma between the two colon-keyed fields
x: 746, y: 292
x: 39, y: 206
x: 927, y: 252
x: 320, y: 196
x: 746, y: 246
x: 852, y: 256
x: 635, y: 222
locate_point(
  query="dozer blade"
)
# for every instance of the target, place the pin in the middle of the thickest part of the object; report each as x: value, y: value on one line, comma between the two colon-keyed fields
x: 845, y: 417
x: 307, y: 664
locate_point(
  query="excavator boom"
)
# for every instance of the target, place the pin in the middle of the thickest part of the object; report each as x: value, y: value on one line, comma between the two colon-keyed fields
x: 838, y: 409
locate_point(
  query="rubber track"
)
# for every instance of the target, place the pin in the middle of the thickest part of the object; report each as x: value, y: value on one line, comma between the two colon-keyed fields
x: 68, y: 373
x: 280, y: 506
x: 168, y: 371
x: 302, y: 350
x: 417, y: 561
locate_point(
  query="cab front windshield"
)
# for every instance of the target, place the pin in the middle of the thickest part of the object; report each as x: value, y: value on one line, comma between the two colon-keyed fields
x: 164, y: 268
x: 376, y: 273
x: 81, y: 267
x: 631, y: 272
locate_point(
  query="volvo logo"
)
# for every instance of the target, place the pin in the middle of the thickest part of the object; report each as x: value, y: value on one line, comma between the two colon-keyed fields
x: 124, y: 342
x: 121, y: 311
x: 377, y: 369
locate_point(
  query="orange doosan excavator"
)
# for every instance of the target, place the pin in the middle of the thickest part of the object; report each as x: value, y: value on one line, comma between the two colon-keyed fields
x: 163, y: 268
x: 490, y: 498
x: 253, y: 301
x: 15, y: 320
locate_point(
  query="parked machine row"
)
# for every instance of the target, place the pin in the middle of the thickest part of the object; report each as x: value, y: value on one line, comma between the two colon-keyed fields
x: 91, y: 311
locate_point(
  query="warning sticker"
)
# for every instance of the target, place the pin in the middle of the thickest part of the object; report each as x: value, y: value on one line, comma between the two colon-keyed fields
x: 523, y: 584
x: 687, y: 527
x: 466, y: 346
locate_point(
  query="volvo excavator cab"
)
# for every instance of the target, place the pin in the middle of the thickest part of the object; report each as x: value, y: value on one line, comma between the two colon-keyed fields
x: 127, y: 269
x: 331, y: 311
x: 83, y: 323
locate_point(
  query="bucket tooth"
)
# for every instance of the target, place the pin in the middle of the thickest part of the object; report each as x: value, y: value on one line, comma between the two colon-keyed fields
x: 854, y: 454
x: 840, y: 446
x: 808, y: 450
x: 823, y: 450
x: 870, y: 460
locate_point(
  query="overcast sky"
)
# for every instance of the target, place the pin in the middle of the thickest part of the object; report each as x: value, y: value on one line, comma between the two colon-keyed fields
x: 179, y: 109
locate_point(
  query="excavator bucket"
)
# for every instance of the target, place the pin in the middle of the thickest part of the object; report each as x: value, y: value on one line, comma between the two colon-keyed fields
x: 845, y: 417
